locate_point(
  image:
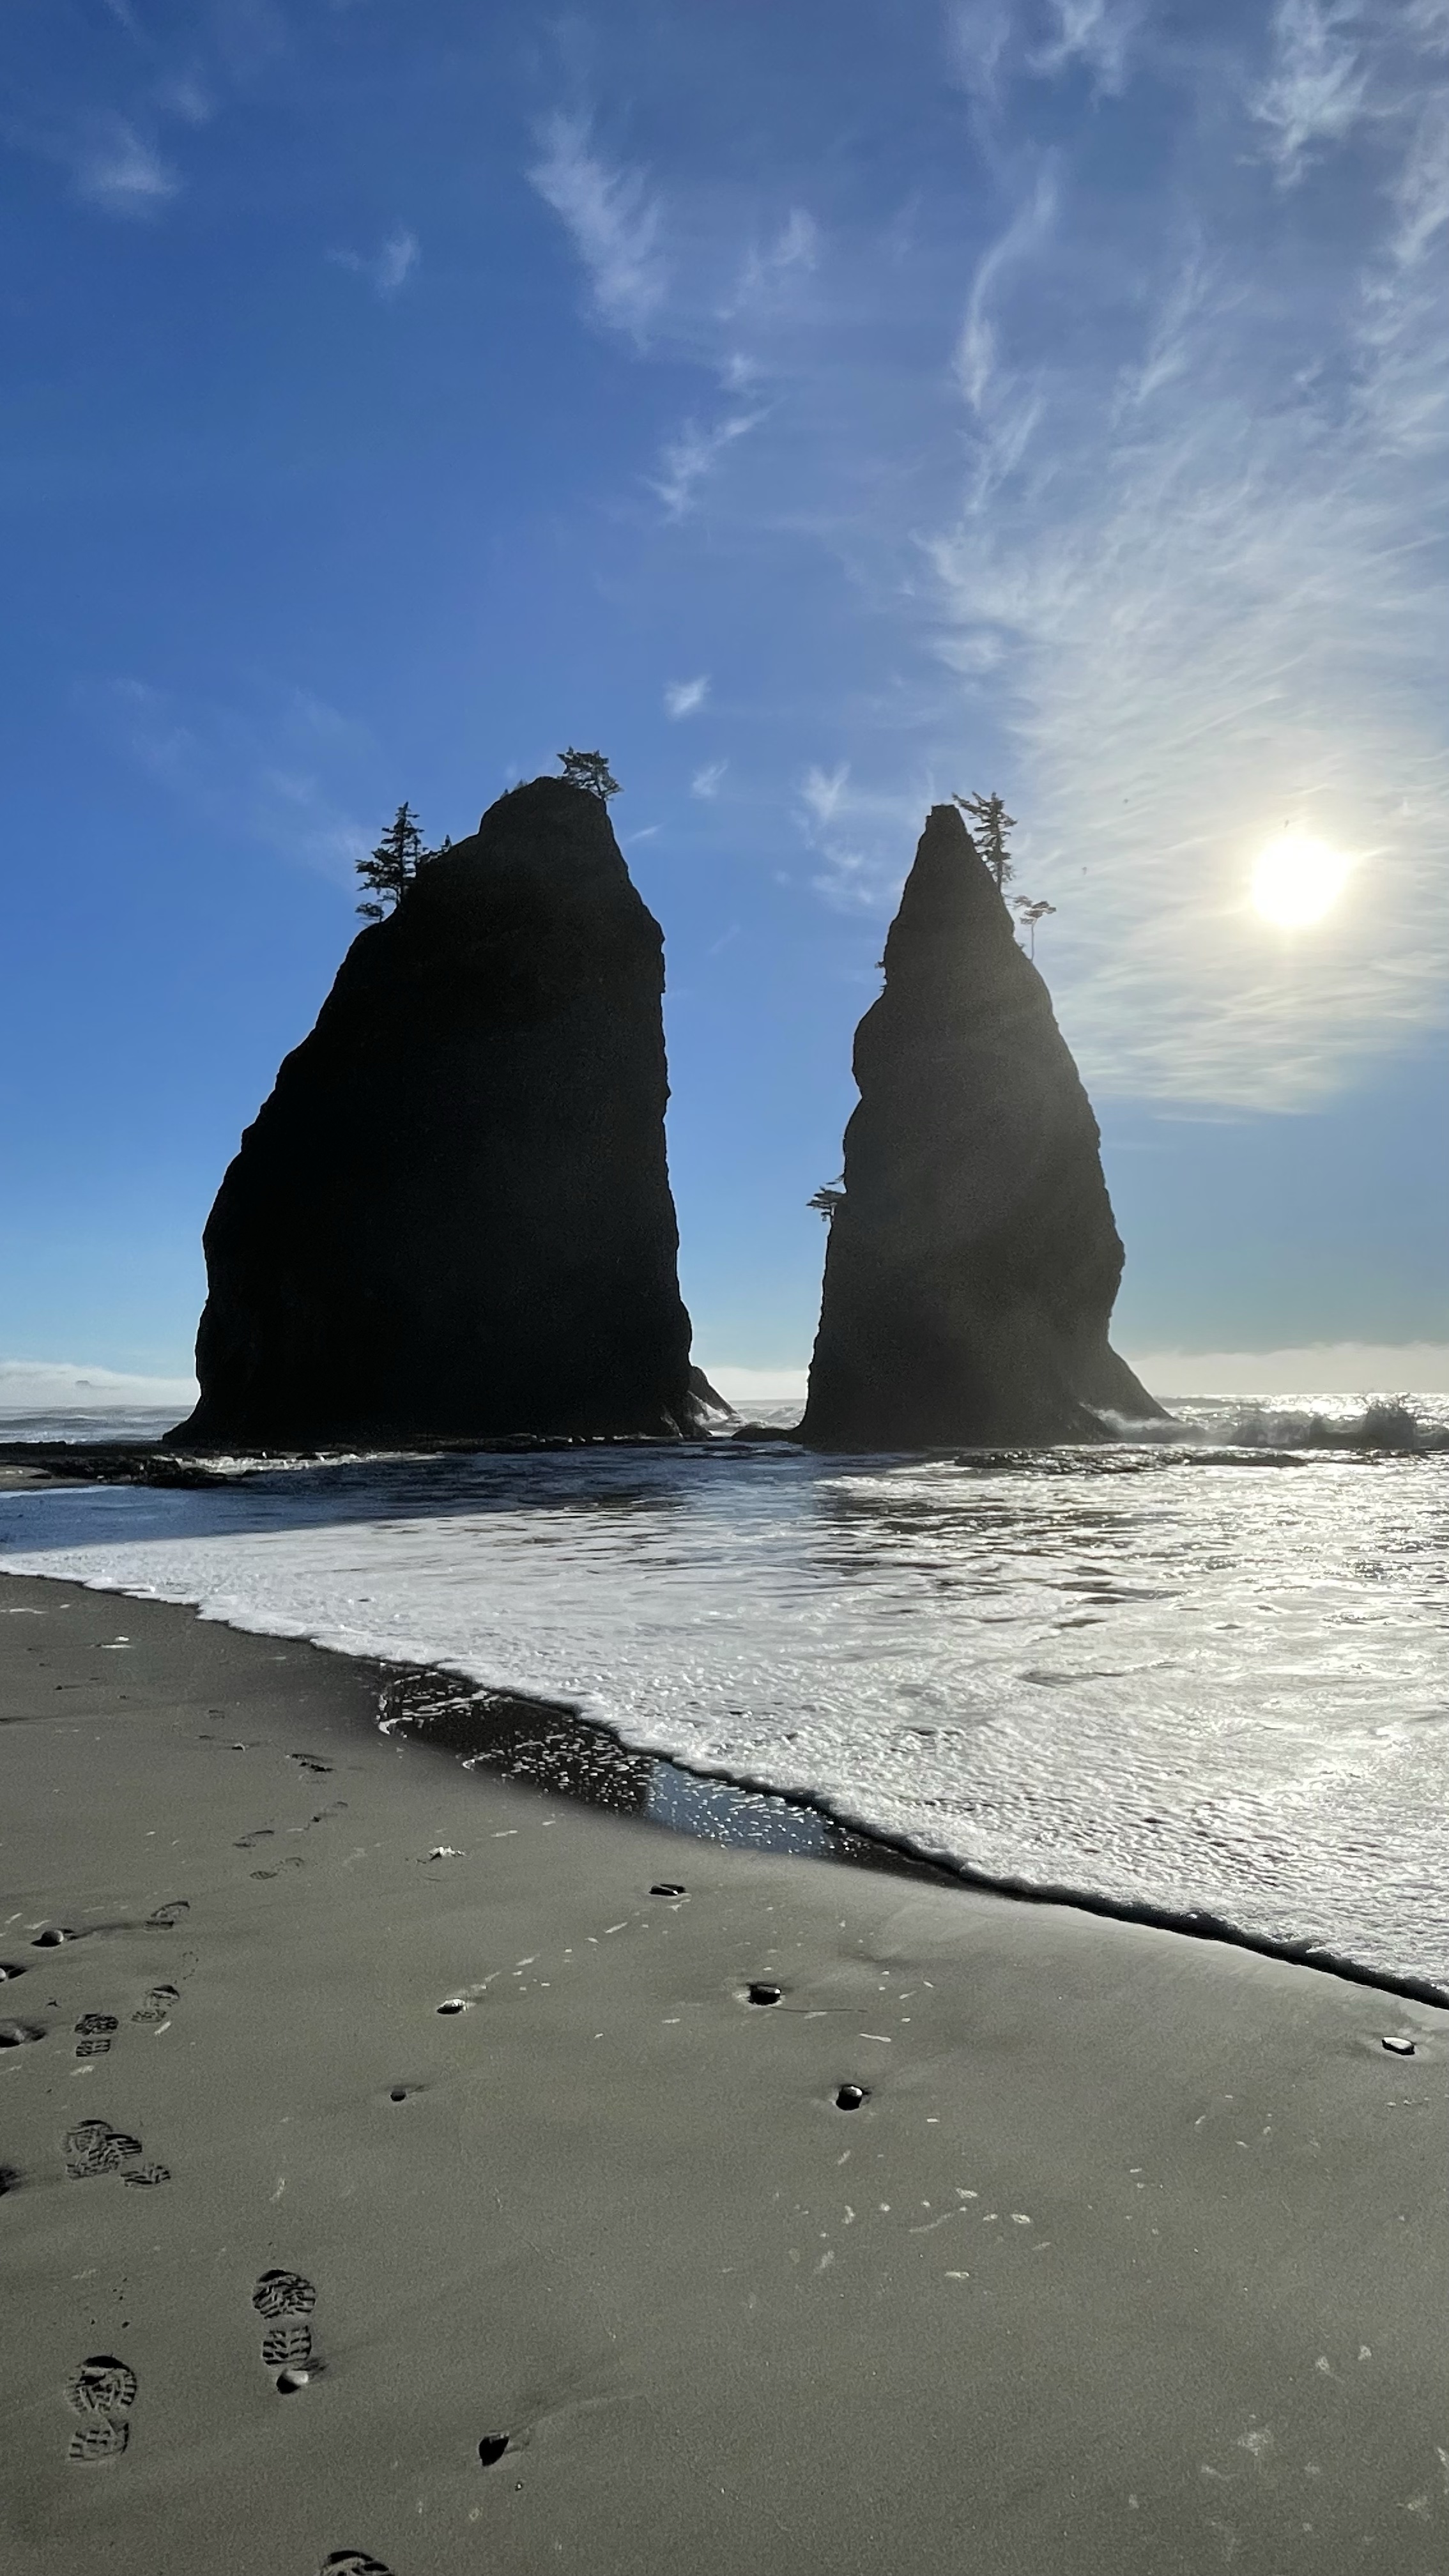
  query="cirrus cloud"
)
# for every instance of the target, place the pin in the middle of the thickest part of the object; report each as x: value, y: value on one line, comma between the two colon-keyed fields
x: 612, y: 219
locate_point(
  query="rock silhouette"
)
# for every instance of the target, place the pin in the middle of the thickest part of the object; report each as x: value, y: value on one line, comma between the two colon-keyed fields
x: 452, y: 1218
x: 973, y: 1260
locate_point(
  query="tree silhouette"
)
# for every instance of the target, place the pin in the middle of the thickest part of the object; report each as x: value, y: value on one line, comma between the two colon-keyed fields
x: 389, y: 870
x: 591, y: 771
x: 827, y: 1200
x: 1031, y: 914
x: 993, y: 824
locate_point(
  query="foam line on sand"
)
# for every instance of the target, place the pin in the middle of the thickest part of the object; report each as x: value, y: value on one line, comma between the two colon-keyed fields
x: 1128, y: 2257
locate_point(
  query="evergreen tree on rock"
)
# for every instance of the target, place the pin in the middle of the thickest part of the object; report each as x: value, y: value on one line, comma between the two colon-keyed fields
x: 390, y: 869
x: 589, y: 770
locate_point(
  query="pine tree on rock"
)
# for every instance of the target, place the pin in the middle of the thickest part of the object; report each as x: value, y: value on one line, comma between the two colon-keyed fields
x: 589, y: 770
x: 389, y: 870
x: 993, y: 823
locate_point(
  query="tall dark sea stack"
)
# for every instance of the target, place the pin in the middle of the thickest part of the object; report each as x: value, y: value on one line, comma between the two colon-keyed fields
x: 452, y: 1218
x: 973, y: 1261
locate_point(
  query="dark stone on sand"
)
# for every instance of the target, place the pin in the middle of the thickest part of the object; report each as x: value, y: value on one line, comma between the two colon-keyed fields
x: 849, y: 2097
x: 52, y: 1939
x: 1399, y: 2047
x: 492, y: 2448
x: 666, y: 1887
x: 763, y: 1994
x: 452, y: 1219
x: 973, y: 1260
x: 454, y: 2004
x: 8, y: 1969
x: 19, y: 2034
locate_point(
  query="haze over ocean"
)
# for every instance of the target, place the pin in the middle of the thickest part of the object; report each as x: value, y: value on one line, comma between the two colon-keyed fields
x: 824, y: 409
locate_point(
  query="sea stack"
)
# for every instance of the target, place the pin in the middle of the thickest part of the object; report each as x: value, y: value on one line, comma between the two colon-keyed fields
x: 452, y: 1219
x: 973, y: 1259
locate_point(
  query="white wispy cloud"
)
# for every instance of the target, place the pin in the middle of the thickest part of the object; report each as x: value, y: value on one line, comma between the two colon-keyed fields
x: 990, y: 39
x: 693, y: 454
x: 613, y: 219
x: 112, y: 155
x: 686, y: 697
x: 706, y: 782
x: 1421, y: 188
x: 850, y: 880
x: 254, y: 776
x: 766, y: 272
x: 978, y: 359
x: 1097, y: 33
x: 863, y: 836
x: 1211, y: 598
x: 187, y: 96
x: 386, y: 270
x: 821, y: 791
x: 1316, y: 87
x: 978, y: 34
x: 118, y: 169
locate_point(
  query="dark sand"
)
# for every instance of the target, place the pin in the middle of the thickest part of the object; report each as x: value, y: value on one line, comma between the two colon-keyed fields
x: 1133, y: 2261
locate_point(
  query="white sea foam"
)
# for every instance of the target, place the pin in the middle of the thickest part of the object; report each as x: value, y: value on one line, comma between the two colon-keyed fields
x: 1176, y: 1675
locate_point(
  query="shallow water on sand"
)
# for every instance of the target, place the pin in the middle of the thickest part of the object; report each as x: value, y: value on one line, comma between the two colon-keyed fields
x: 1201, y: 1675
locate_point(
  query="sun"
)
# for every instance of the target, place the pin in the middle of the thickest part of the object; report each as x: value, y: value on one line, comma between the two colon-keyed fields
x: 1296, y: 880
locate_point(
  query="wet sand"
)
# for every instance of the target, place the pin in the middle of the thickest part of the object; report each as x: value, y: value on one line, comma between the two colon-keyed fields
x: 1132, y: 2259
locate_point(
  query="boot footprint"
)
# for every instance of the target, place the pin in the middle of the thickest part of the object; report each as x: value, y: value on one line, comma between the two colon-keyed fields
x: 157, y: 2006
x: 102, y: 2392
x: 96, y: 2148
x: 93, y: 2034
x: 285, y: 2300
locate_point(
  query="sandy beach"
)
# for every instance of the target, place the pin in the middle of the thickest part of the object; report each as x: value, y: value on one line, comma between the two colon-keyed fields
x: 1131, y: 2258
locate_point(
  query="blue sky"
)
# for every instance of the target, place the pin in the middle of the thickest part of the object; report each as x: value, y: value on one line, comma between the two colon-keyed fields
x: 823, y: 406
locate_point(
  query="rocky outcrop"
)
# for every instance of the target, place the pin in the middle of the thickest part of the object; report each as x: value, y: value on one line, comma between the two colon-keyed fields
x: 973, y: 1260
x: 452, y: 1219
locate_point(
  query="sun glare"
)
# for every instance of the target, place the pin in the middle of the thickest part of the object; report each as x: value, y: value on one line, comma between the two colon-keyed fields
x: 1297, y: 881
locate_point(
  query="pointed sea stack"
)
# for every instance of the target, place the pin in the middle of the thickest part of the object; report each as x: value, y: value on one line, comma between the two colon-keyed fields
x: 973, y: 1260
x: 452, y: 1219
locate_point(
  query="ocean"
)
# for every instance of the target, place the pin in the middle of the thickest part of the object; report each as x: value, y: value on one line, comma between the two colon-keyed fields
x: 1201, y: 1678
